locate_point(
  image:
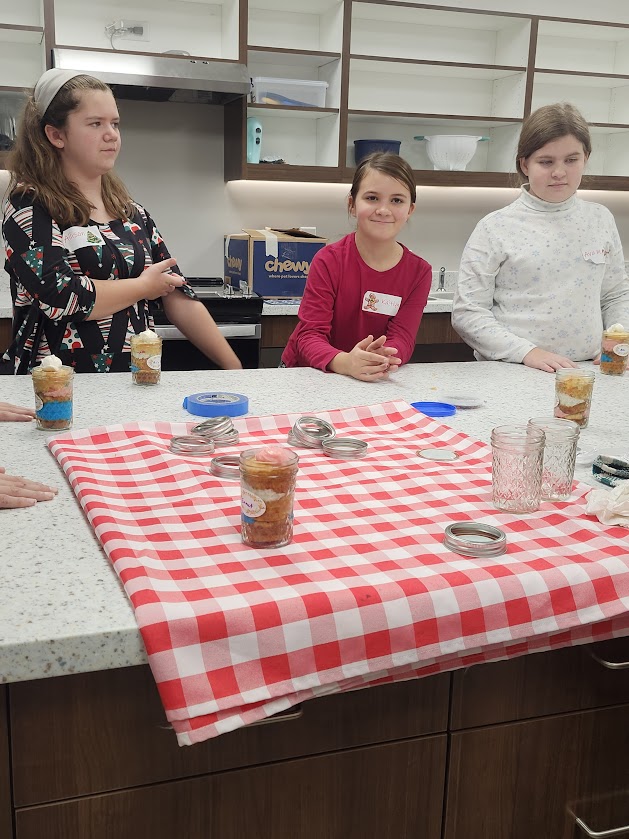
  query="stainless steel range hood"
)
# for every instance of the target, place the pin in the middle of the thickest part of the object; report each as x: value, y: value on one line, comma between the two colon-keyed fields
x: 160, y: 78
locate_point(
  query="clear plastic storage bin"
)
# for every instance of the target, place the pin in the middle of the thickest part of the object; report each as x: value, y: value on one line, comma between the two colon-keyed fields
x: 291, y: 93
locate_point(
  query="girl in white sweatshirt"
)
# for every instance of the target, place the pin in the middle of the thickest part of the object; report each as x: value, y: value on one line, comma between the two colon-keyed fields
x: 542, y: 277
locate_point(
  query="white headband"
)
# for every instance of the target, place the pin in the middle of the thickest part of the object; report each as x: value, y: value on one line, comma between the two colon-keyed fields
x: 49, y: 85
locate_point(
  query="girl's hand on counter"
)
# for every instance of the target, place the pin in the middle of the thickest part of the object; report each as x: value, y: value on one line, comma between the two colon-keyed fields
x: 14, y: 413
x: 20, y: 492
x: 548, y: 361
x: 362, y: 363
x: 378, y: 346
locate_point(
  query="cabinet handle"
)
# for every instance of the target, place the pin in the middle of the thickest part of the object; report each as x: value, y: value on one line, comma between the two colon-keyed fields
x: 611, y: 665
x: 601, y: 834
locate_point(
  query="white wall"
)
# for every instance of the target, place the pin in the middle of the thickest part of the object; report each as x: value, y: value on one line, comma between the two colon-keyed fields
x: 172, y: 160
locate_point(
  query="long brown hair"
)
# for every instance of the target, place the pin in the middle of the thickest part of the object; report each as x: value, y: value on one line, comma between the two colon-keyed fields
x: 35, y: 164
x: 389, y: 164
x: 548, y: 123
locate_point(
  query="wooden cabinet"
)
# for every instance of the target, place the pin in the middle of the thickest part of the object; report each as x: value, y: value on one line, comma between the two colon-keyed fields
x: 6, y: 822
x: 525, y: 748
x: 529, y: 780
x: 436, y: 339
x: 390, y: 792
x: 93, y: 756
x: 527, y: 759
x: 399, y: 71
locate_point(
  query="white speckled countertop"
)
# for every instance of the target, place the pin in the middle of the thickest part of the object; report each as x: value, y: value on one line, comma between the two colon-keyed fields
x: 62, y: 609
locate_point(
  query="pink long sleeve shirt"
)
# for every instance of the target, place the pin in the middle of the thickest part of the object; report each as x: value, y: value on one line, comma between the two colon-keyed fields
x: 345, y: 301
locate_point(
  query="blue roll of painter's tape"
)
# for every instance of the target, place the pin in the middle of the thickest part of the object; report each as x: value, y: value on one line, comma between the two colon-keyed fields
x: 216, y: 404
x: 434, y: 409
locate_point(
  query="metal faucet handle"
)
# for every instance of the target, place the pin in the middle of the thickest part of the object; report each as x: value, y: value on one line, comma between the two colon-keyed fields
x: 442, y: 279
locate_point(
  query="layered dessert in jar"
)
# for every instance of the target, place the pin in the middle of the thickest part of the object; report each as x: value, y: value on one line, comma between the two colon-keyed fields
x: 52, y: 383
x: 573, y: 395
x: 614, y: 350
x: 146, y: 357
x: 267, y: 482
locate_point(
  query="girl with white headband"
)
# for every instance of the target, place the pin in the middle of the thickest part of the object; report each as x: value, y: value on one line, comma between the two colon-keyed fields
x: 85, y: 261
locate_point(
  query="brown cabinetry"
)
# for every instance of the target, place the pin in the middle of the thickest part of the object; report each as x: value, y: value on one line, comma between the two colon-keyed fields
x: 436, y: 339
x: 527, y: 759
x: 519, y: 749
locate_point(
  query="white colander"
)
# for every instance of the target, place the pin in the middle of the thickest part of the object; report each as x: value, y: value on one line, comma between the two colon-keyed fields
x: 450, y: 152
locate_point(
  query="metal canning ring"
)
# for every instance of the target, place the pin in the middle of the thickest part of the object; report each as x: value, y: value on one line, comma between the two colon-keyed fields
x: 470, y: 538
x: 345, y: 448
x: 226, y: 466
x: 226, y: 439
x: 214, y: 427
x: 293, y: 441
x: 193, y: 444
x: 312, y: 431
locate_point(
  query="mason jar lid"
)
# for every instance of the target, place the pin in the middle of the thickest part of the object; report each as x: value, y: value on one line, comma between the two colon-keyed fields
x: 226, y: 466
x: 345, y: 448
x: 312, y: 431
x: 192, y: 444
x: 471, y: 538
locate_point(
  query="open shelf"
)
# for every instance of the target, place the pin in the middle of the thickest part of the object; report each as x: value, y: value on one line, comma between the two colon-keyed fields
x: 278, y: 23
x: 564, y: 45
x: 25, y: 13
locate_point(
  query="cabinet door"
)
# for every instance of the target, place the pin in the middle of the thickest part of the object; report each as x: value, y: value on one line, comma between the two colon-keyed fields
x: 531, y: 780
x: 388, y: 792
x: 6, y: 826
x: 95, y: 732
x: 570, y: 679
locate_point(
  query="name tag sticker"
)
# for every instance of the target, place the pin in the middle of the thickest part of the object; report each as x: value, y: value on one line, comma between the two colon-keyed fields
x: 382, y: 304
x: 82, y: 237
x: 595, y: 255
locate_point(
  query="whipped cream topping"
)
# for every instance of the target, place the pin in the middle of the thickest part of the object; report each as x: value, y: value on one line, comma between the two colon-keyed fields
x: 149, y: 336
x: 51, y: 362
x: 616, y: 329
x: 274, y: 454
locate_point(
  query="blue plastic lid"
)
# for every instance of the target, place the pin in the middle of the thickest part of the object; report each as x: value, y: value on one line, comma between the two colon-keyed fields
x: 217, y: 404
x: 434, y: 409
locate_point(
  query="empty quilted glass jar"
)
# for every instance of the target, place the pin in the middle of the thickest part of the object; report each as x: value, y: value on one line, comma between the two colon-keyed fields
x: 560, y: 452
x: 516, y: 472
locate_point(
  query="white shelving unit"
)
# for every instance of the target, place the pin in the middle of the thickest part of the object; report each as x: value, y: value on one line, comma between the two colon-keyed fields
x: 204, y: 29
x: 436, y: 89
x: 496, y: 155
x: 313, y: 27
x: 302, y: 42
x: 582, y: 46
x: 21, y: 50
x: 435, y: 35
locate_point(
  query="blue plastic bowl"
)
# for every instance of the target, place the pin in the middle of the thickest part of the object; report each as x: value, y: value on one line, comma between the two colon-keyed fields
x: 364, y: 147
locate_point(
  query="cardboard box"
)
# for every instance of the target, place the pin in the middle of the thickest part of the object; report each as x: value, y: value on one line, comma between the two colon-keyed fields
x: 272, y: 263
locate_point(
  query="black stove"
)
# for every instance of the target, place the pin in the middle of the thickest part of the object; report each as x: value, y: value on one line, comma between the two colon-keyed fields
x: 225, y: 304
x: 237, y: 315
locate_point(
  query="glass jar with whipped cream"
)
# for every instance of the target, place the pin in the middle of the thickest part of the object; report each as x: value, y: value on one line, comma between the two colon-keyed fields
x: 267, y: 490
x: 52, y: 383
x: 573, y: 394
x: 146, y: 357
x: 614, y: 350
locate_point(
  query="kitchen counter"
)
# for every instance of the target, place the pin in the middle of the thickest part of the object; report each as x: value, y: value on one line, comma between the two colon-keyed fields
x: 62, y: 608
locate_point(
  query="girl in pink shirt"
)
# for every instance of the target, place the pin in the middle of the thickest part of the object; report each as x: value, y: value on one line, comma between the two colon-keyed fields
x: 365, y: 295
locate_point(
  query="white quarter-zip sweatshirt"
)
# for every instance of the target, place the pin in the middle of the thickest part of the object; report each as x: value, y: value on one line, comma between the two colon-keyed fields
x: 537, y: 274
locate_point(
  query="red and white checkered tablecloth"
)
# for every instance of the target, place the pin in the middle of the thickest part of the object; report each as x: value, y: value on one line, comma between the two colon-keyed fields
x: 365, y: 593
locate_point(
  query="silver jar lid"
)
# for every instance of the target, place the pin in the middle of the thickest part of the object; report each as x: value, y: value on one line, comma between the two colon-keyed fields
x: 471, y: 538
x: 226, y: 466
x: 310, y: 432
x: 219, y: 429
x: 345, y: 448
x: 192, y: 444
